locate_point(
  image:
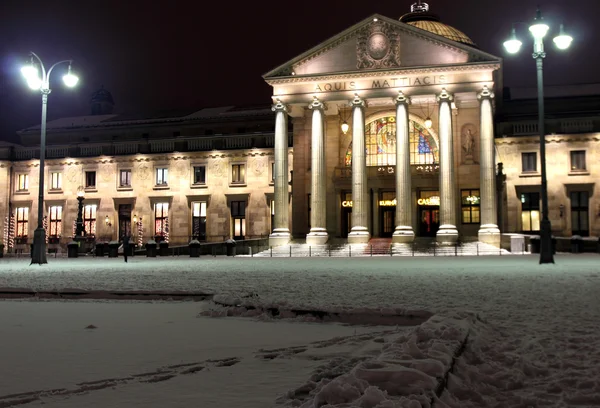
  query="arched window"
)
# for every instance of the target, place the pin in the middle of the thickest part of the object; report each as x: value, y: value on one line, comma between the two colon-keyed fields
x: 380, y: 140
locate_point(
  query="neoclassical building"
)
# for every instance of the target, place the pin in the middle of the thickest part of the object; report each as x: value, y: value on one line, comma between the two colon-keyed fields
x: 391, y: 129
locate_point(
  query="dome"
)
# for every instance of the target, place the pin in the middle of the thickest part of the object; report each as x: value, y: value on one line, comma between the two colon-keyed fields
x: 102, y: 102
x: 420, y: 17
x: 102, y: 95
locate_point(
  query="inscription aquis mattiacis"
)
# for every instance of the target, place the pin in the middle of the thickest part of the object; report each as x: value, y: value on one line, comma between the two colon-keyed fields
x: 382, y: 83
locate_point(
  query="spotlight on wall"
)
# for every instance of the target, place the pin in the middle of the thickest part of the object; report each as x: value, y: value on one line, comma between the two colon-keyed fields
x: 134, y: 219
x: 107, y: 221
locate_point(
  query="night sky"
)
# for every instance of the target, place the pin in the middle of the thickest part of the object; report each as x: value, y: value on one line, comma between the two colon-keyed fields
x: 189, y: 54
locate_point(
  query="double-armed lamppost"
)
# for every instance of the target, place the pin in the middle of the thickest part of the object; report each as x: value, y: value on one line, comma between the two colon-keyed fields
x: 42, y: 83
x: 539, y: 29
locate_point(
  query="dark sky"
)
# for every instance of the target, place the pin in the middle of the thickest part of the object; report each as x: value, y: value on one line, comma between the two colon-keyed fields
x: 180, y: 54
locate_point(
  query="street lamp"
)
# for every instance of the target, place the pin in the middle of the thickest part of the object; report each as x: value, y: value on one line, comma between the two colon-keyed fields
x: 42, y: 83
x: 79, y: 230
x: 539, y: 29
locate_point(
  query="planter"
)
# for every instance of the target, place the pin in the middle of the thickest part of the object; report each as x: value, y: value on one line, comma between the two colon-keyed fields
x: 100, y: 249
x: 164, y: 248
x: 230, y: 245
x: 72, y: 249
x: 194, y: 248
x: 113, y: 249
x: 151, y: 249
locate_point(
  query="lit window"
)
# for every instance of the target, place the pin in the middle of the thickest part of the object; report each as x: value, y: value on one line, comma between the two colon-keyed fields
x: 55, y: 226
x: 199, y: 174
x: 125, y: 178
x: 22, y: 222
x: 199, y: 220
x: 238, y: 215
x: 529, y: 162
x: 55, y: 180
x: 23, y: 182
x: 578, y: 160
x: 238, y: 173
x: 162, y: 176
x: 89, y: 219
x: 530, y: 212
x: 161, y: 216
x: 90, y: 179
x: 470, y: 206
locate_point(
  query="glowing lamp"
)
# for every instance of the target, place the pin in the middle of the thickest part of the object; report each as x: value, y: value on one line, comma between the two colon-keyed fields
x: 428, y: 123
x: 80, y: 191
x: 563, y: 40
x: 345, y: 127
x: 31, y: 75
x: 538, y: 28
x: 70, y: 79
x: 513, y: 45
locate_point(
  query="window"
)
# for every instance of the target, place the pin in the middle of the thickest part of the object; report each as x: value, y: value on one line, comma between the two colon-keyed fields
x: 55, y: 226
x: 23, y: 182
x: 199, y: 220
x: 530, y: 212
x: 238, y: 173
x: 578, y: 160
x: 161, y: 219
x: 55, y: 180
x: 22, y: 222
x: 162, y: 176
x: 199, y: 174
x: 89, y: 219
x: 125, y: 178
x: 470, y: 206
x: 580, y: 224
x: 90, y: 179
x: 272, y: 178
x: 238, y: 213
x: 529, y: 162
x: 309, y: 214
x: 272, y: 206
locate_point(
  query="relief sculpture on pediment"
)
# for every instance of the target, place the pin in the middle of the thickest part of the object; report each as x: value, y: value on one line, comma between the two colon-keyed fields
x: 378, y: 46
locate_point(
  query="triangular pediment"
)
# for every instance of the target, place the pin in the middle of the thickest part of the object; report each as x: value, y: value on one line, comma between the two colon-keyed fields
x: 380, y: 43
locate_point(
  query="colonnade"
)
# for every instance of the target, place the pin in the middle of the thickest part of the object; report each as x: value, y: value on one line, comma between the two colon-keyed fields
x: 403, y: 233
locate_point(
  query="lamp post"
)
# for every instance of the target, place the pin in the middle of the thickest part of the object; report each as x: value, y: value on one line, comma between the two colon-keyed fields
x: 539, y: 29
x: 79, y: 230
x: 42, y: 84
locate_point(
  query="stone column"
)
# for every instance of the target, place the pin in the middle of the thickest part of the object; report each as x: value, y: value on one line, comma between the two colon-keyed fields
x: 281, y: 232
x: 359, y: 234
x: 318, y: 197
x: 403, y: 232
x: 447, y: 234
x: 488, y: 231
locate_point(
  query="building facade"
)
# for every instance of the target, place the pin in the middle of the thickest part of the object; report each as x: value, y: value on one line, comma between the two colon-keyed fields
x: 392, y: 128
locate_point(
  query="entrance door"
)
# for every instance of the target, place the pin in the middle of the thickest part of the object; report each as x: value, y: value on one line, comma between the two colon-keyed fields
x: 429, y: 218
x: 388, y: 221
x: 346, y: 221
x: 124, y: 220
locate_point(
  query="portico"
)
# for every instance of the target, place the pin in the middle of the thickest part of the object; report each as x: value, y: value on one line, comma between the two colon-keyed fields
x: 389, y: 80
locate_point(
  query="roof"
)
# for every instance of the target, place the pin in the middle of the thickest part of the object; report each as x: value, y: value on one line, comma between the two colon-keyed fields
x: 444, y: 30
x: 181, y: 115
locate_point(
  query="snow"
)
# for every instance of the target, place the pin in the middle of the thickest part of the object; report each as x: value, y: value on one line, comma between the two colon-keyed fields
x: 507, y: 332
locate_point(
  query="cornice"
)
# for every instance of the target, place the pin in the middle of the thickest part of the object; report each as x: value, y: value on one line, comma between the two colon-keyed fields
x: 382, y: 73
x: 551, y: 139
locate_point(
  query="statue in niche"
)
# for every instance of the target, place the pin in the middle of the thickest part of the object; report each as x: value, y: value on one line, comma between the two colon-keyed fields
x: 468, y: 143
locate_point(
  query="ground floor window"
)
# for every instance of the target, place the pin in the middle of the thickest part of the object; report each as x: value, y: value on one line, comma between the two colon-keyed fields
x: 199, y: 220
x: 346, y: 214
x: 22, y: 222
x: 89, y: 219
x: 530, y: 212
x: 580, y: 213
x: 273, y: 215
x: 55, y: 217
x: 161, y: 221
x: 309, y: 214
x: 238, y: 216
x: 470, y: 206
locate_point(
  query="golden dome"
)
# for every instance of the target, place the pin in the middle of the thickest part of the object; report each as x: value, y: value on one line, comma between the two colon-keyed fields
x: 420, y: 17
x: 444, y: 30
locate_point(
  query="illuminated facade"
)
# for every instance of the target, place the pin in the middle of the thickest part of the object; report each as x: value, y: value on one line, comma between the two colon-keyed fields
x: 419, y: 157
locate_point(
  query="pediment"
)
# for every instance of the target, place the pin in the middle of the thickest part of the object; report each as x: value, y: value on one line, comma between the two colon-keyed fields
x: 380, y: 43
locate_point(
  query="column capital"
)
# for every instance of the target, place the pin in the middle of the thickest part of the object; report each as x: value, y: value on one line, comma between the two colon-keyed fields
x: 316, y: 104
x: 279, y: 106
x: 358, y: 102
x: 444, y: 96
x: 402, y: 99
x: 485, y: 93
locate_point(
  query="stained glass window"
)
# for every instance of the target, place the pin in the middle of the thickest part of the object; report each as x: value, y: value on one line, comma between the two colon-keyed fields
x: 380, y: 141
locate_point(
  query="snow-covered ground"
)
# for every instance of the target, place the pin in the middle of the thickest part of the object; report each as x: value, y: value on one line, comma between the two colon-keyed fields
x: 508, y: 332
